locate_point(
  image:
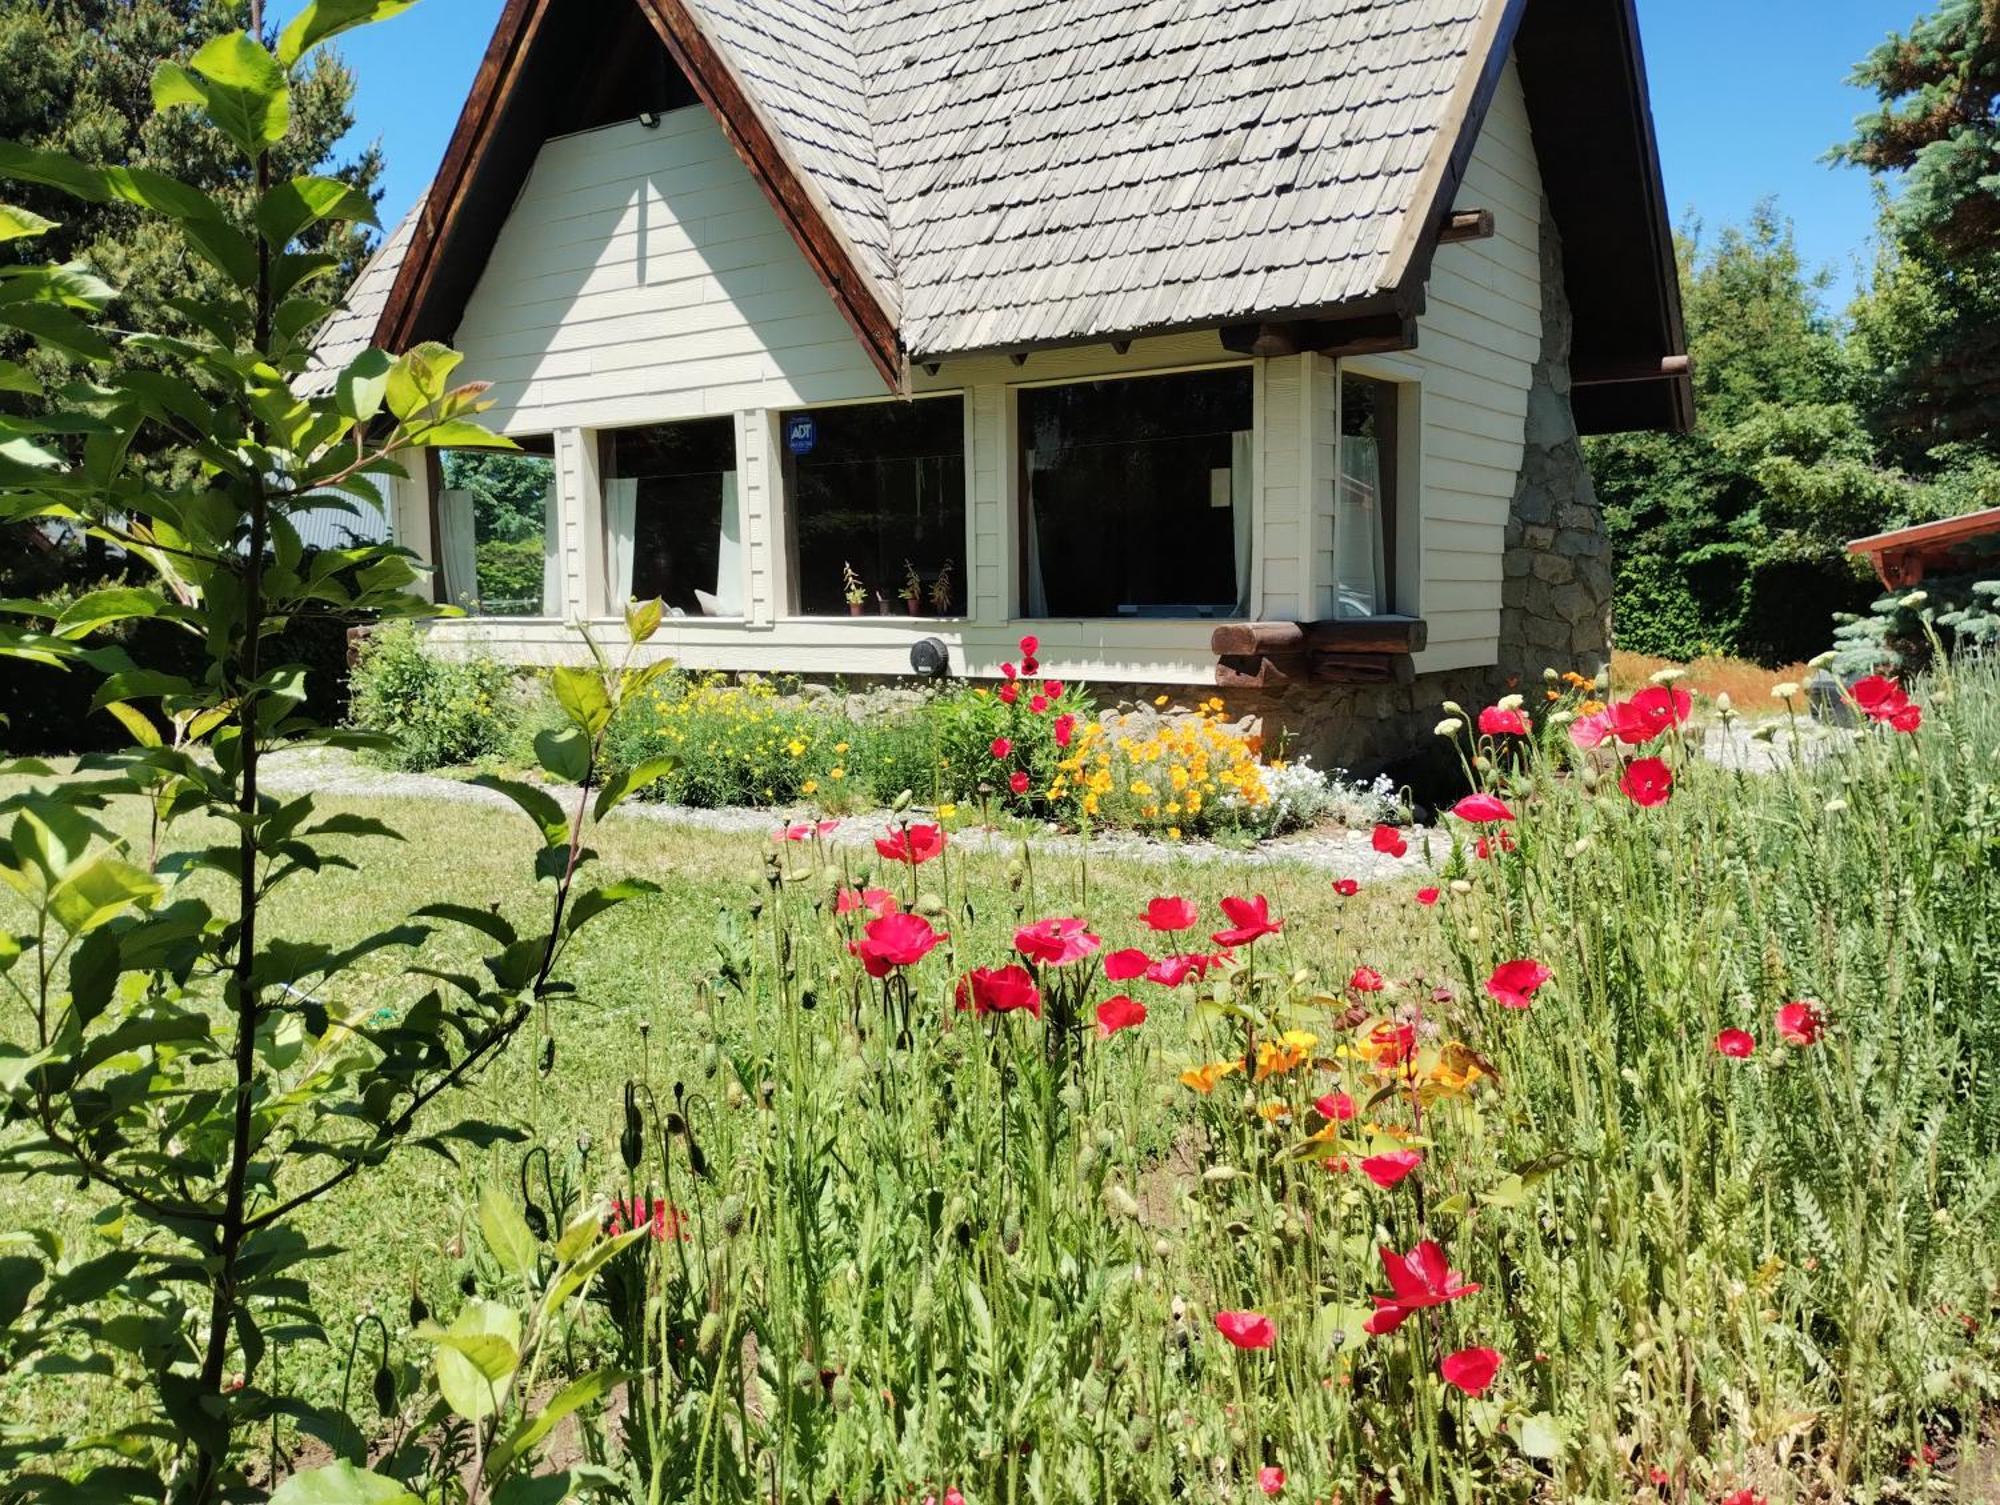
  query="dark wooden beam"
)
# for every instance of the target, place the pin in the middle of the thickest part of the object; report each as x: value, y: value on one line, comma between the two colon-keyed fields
x: 1363, y: 669
x: 1667, y: 368
x: 1372, y: 334
x: 1362, y: 635
x: 1466, y: 224
x: 1261, y: 672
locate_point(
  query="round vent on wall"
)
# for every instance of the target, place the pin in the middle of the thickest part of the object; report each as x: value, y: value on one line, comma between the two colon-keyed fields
x: 930, y: 658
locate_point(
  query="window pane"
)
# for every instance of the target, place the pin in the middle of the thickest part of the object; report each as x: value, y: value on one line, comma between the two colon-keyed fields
x: 494, y: 516
x: 881, y: 487
x: 1364, y: 516
x: 674, y: 526
x: 1139, y: 495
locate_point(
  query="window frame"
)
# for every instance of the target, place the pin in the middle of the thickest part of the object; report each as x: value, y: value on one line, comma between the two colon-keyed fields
x: 1403, y: 542
x: 542, y: 444
x: 785, y: 501
x: 599, y: 441
x: 1016, y: 472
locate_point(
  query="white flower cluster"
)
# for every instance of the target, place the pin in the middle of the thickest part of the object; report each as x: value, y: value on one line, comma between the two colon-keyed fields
x: 1297, y: 795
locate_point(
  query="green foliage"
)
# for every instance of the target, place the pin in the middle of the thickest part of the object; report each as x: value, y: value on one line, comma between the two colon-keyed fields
x: 510, y: 576
x: 508, y: 492
x: 1925, y: 345
x: 434, y: 711
x: 728, y: 744
x: 1903, y: 632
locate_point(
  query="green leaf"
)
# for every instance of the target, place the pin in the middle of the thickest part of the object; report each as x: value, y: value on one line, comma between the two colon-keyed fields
x: 15, y: 377
x: 642, y: 619
x: 292, y: 207
x: 341, y: 1484
x: 484, y: 921
x: 246, y: 95
x: 539, y: 803
x: 136, y: 723
x: 99, y: 893
x: 506, y: 1232
x: 175, y: 88
x: 17, y: 223
x: 359, y: 389
x: 564, y: 752
x: 463, y: 433
x: 476, y: 1357
x: 585, y: 1391
x: 54, y: 326
x: 628, y: 780
x: 1541, y: 1436
x: 101, y: 608
x: 581, y: 694
x: 418, y: 378
x: 321, y: 19
x: 608, y: 896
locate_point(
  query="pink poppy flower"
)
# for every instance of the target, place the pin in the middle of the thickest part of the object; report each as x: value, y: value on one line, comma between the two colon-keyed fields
x: 1592, y: 731
x: 915, y: 845
x: 1270, y: 1479
x: 1647, y: 782
x: 1737, y: 1044
x: 1481, y: 809
x: 1365, y: 980
x: 1064, y: 727
x: 1246, y: 1329
x: 999, y: 990
x: 1002, y: 748
x: 1655, y: 709
x: 1169, y: 914
x: 1017, y: 781
x: 894, y: 940
x: 1039, y: 704
x: 1335, y: 1107
x: 1123, y: 966
x: 1389, y: 841
x: 1118, y: 1013
x: 1420, y: 1279
x: 1513, y: 984
x: 1745, y: 1497
x: 877, y: 901
x: 1386, y: 1170
x: 1427, y: 896
x: 1347, y: 888
x: 1499, y: 721
x: 1170, y: 971
x: 1030, y: 646
x: 1031, y: 666
x: 667, y: 1222
x: 1056, y: 942
x: 1470, y: 1369
x: 1250, y: 920
x: 1800, y: 1023
x: 1052, y: 688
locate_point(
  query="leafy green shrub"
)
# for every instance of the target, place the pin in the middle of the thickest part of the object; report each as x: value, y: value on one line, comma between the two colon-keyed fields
x: 439, y: 711
x: 510, y: 576
x: 902, y: 750
x: 738, y: 744
x: 1902, y: 630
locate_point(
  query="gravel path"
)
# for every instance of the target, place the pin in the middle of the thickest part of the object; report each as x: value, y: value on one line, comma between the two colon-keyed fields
x: 1344, y: 854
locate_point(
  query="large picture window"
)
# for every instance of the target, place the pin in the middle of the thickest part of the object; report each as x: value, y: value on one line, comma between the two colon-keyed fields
x: 1365, y: 498
x: 673, y: 527
x: 496, y: 531
x: 1137, y: 496
x: 877, y: 494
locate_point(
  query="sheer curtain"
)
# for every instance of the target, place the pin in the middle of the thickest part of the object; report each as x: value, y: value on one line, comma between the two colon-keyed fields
x: 729, y: 553
x: 458, y: 550
x: 1038, y: 596
x: 1358, y: 563
x: 1240, y: 480
x: 621, y: 517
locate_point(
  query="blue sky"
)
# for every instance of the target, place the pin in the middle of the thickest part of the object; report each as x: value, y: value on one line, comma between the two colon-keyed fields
x: 1748, y: 96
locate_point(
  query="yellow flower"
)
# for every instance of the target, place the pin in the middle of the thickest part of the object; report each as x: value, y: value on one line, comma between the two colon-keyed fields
x: 1173, y: 833
x: 1159, y: 700
x: 796, y: 748
x: 836, y: 773
x: 810, y: 786
x: 1204, y: 1078
x: 1274, y: 1112
x: 840, y: 747
x: 1287, y: 1053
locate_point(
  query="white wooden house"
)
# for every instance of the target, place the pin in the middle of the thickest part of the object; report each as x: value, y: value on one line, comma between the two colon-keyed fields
x: 1238, y: 343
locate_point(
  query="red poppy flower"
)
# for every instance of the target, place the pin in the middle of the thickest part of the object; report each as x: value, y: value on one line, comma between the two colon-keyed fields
x: 1427, y: 897
x: 1055, y: 942
x: 1249, y: 919
x: 877, y: 901
x: 1647, y: 782
x: 1906, y: 718
x: 1017, y: 781
x: 1030, y: 666
x: 1123, y: 966
x: 1737, y: 1044
x: 1800, y: 1023
x: 1002, y: 748
x: 1009, y: 692
x: 1118, y: 1013
x: 1347, y: 888
x: 1335, y: 1107
x: 1875, y: 694
x: 1386, y: 1170
x: 805, y: 830
x: 894, y: 940
x: 1485, y: 848
x: 1470, y: 1369
x: 999, y: 990
x: 1499, y: 721
x: 1513, y: 984
x: 1420, y: 1279
x: 1064, y: 727
x: 1169, y: 914
x: 1392, y: 1043
x: 1006, y: 671
x: 1481, y: 809
x: 665, y: 1220
x: 1365, y: 980
x: 1389, y: 841
x: 1270, y: 1479
x: 1039, y: 704
x: 1030, y: 646
x: 1246, y: 1329
x: 1745, y: 1497
x: 912, y: 844
x: 1655, y: 709
x: 1170, y: 971
x: 1052, y: 688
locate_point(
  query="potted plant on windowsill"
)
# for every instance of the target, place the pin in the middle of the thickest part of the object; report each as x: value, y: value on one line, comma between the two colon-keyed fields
x: 913, y: 589
x: 852, y: 588
x: 941, y: 592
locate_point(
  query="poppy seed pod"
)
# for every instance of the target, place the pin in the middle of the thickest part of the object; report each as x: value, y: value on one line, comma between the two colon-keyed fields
x: 420, y: 1311
x: 709, y: 1335
x: 1121, y: 1202
x: 632, y: 1139
x: 930, y: 906
x: 548, y: 1062
x: 468, y: 1285
x: 385, y: 1390
x: 537, y: 1221
x: 902, y: 802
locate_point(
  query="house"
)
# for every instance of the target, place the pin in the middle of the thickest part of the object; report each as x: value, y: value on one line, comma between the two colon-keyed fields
x: 1959, y: 545
x: 1222, y: 344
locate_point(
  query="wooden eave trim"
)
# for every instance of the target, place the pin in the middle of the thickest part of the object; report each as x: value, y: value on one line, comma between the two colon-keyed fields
x: 1945, y: 530
x: 519, y: 22
x: 811, y: 224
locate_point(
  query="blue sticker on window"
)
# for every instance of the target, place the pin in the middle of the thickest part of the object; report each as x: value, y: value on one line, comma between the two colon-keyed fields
x: 801, y: 433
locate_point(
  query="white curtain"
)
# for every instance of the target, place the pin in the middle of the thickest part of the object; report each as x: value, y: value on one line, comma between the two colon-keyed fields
x: 729, y: 553
x: 621, y: 516
x: 1240, y: 483
x: 458, y: 550
x: 1038, y: 599
x: 552, y: 571
x: 1358, y: 565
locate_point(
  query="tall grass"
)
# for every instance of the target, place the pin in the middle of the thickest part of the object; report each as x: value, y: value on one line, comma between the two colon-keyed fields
x: 928, y: 1248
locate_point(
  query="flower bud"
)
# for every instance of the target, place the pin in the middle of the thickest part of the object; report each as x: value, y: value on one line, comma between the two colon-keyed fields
x: 1914, y: 600
x: 1822, y: 660
x: 902, y: 802
x: 1667, y: 675
x: 1454, y: 707
x: 1451, y: 726
x: 1512, y: 702
x: 1121, y: 1202
x: 1723, y: 703
x: 1549, y: 676
x: 1461, y: 886
x: 1787, y: 691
